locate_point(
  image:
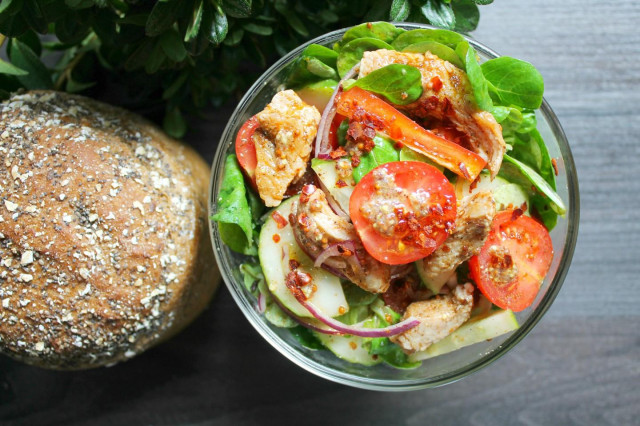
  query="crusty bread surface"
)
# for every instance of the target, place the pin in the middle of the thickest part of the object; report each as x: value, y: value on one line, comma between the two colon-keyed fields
x: 104, y: 246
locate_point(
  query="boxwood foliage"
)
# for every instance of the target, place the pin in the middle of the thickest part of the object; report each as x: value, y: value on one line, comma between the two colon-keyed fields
x: 172, y: 58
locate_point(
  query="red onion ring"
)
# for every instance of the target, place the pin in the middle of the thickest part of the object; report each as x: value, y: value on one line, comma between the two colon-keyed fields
x: 334, y: 250
x: 303, y: 322
x: 322, y: 148
x: 262, y: 304
x: 391, y: 330
x: 336, y: 327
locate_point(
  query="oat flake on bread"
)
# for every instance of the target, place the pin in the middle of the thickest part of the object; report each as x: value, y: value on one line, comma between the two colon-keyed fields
x: 104, y: 248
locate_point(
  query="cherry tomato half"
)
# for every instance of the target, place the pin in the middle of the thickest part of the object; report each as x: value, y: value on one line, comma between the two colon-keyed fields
x: 403, y: 211
x: 246, y: 149
x: 513, y: 261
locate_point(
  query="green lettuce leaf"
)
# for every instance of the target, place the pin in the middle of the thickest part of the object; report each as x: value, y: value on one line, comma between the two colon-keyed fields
x: 234, y: 214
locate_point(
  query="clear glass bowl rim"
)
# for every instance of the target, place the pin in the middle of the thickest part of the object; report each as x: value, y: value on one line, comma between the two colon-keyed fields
x: 573, y: 217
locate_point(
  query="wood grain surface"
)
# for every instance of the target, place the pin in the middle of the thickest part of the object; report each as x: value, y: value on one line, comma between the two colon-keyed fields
x: 580, y: 365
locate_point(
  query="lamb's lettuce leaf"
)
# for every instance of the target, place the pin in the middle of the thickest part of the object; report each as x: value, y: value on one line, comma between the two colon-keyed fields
x: 384, y: 151
x: 234, y: 215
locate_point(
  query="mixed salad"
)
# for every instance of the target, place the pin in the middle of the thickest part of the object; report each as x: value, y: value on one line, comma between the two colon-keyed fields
x: 395, y: 198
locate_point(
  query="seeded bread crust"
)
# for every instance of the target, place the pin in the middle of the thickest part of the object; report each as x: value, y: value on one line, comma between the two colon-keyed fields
x: 104, y: 247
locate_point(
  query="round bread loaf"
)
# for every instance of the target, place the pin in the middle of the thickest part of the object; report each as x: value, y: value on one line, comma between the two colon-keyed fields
x: 104, y: 247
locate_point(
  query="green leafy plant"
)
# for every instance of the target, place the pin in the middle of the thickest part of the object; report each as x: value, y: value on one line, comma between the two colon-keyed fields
x: 171, y: 58
x: 400, y: 84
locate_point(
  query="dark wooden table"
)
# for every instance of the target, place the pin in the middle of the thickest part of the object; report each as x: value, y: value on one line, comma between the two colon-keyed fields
x: 581, y: 365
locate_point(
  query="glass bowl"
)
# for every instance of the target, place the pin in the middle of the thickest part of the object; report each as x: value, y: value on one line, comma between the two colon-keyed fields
x: 435, y: 371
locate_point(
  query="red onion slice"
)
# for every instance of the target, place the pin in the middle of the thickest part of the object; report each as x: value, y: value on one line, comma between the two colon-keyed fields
x: 302, y: 321
x: 330, y: 251
x: 322, y: 148
x: 262, y: 304
x: 389, y: 331
x: 334, y: 250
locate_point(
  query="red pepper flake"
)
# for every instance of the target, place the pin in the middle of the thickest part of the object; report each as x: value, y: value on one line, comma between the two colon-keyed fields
x: 280, y: 221
x: 398, y: 145
x: 554, y: 163
x: 293, y: 264
x: 307, y: 190
x: 303, y: 220
x: 355, y: 161
x: 276, y: 238
x: 436, y: 83
x: 516, y: 213
x: 340, y: 183
x: 369, y: 25
x: 337, y: 153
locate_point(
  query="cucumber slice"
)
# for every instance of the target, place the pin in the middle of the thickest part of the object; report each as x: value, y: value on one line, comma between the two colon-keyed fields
x: 476, y: 330
x: 435, y: 284
x: 348, y: 348
x: 318, y: 94
x: 507, y: 195
x: 328, y: 296
x: 328, y: 175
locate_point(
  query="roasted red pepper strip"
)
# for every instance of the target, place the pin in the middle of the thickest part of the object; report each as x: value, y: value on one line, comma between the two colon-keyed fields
x: 406, y: 131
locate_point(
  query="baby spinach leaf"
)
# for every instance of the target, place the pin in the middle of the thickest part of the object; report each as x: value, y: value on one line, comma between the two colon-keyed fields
x: 391, y: 353
x: 400, y: 84
x: 322, y: 53
x: 315, y: 63
x: 448, y: 38
x: 355, y: 314
x: 478, y: 82
x: 514, y: 82
x: 234, y: 215
x: 276, y: 316
x: 306, y: 338
x: 251, y: 276
x: 351, y: 53
x: 356, y: 296
x: 384, y: 151
x: 539, y: 183
x: 500, y: 113
x: 440, y: 50
x: 383, y: 31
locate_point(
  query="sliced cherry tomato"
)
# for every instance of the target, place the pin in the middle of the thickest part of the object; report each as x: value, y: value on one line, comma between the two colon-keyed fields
x: 513, y: 261
x: 403, y: 211
x: 246, y: 149
x: 402, y: 129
